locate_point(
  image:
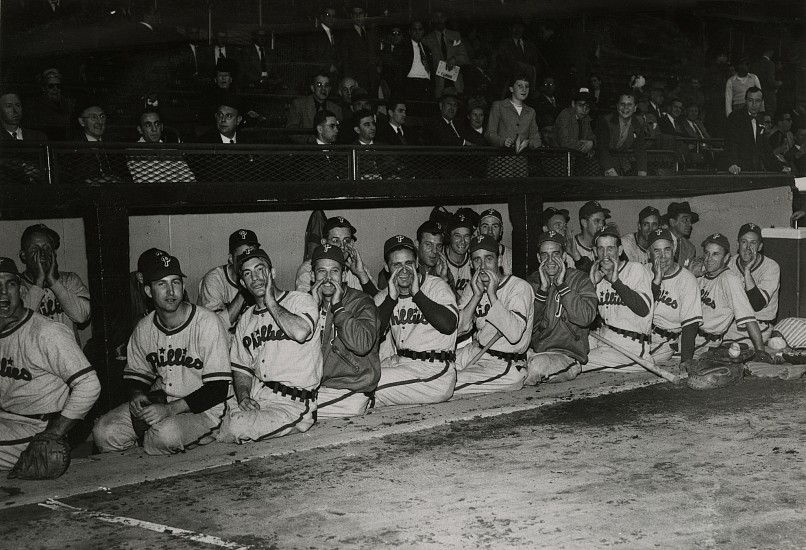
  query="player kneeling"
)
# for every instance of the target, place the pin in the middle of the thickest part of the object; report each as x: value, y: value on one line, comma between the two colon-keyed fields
x: 276, y: 358
x: 500, y: 306
x: 349, y: 328
x: 178, y: 372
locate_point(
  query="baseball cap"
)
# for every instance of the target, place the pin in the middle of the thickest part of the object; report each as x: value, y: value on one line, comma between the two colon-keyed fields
x: 648, y: 211
x: 7, y: 265
x: 719, y: 239
x: 242, y: 236
x: 550, y: 212
x: 552, y: 236
x: 660, y: 235
x: 582, y: 94
x: 145, y: 258
x: 251, y: 254
x: 681, y: 208
x: 610, y: 230
x: 484, y: 242
x: 158, y: 266
x: 491, y: 212
x: 337, y: 221
x: 45, y: 230
x: 431, y: 227
x: 748, y: 228
x: 460, y: 220
x: 592, y: 207
x: 398, y: 241
x: 327, y: 252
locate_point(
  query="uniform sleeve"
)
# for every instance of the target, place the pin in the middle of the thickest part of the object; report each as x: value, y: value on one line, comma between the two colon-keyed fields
x: 69, y: 363
x: 770, y: 283
x: 137, y: 367
x: 210, y: 292
x: 304, y: 276
x: 75, y: 300
x: 303, y: 306
x: 213, y: 345
x: 438, y: 304
x: 511, y: 318
x: 239, y: 358
x: 358, y: 327
x: 32, y: 296
x: 739, y: 304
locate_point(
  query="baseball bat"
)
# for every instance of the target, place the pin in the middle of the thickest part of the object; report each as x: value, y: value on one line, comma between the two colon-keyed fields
x: 651, y: 367
x: 486, y: 347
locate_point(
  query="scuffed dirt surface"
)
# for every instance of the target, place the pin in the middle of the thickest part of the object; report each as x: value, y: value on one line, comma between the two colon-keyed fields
x: 658, y: 467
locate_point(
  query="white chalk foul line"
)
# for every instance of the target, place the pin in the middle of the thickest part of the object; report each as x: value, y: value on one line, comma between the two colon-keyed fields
x: 156, y: 527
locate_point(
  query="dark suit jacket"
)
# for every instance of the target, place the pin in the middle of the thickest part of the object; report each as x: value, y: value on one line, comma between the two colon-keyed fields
x: 301, y: 116
x: 473, y: 136
x: 214, y: 136
x: 249, y: 65
x: 320, y: 54
x: 546, y: 112
x: 691, y: 132
x: 454, y: 47
x: 666, y: 127
x: 511, y: 60
x: 360, y: 57
x: 386, y: 134
x: 27, y: 135
x: 437, y: 132
x: 743, y: 150
x: 607, y: 134
x: 403, y: 58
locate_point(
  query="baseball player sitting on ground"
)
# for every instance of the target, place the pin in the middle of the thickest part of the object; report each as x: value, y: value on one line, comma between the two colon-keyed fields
x: 501, y: 305
x: 337, y: 231
x: 592, y: 218
x: 421, y: 316
x: 177, y: 375
x: 460, y: 229
x: 276, y: 358
x: 677, y: 313
x: 762, y: 281
x: 724, y: 300
x: 492, y: 223
x: 46, y: 383
x: 219, y: 290
x: 348, y: 331
x: 624, y: 290
x: 431, y: 257
x: 58, y: 295
x: 565, y: 306
x: 636, y: 245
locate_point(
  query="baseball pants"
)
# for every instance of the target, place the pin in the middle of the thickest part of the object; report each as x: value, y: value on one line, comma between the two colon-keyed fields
x: 278, y: 416
x: 15, y: 434
x: 334, y: 403
x: 412, y: 382
x: 701, y: 345
x: 739, y: 334
x: 550, y: 366
x: 114, y: 432
x: 603, y: 357
x: 487, y: 375
x: 663, y: 350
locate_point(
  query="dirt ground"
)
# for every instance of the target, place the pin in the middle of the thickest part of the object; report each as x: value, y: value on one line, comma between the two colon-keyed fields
x: 657, y: 467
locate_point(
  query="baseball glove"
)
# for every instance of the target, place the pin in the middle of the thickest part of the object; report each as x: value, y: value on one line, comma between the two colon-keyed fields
x: 46, y: 457
x: 722, y: 354
x: 709, y: 373
x: 795, y: 357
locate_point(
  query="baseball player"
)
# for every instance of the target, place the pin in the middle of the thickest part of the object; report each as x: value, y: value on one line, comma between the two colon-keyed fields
x: 636, y: 245
x: 460, y: 229
x: 501, y: 310
x: 58, y: 295
x: 565, y: 306
x: 724, y: 300
x: 592, y: 218
x: 492, y: 223
x: 421, y: 315
x: 624, y: 290
x: 431, y: 259
x: 46, y: 383
x: 762, y: 281
x: 339, y: 232
x: 348, y: 332
x: 677, y: 313
x: 276, y: 358
x: 219, y: 290
x: 177, y: 375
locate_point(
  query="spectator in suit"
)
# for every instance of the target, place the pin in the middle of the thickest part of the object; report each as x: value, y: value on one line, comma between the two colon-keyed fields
x: 545, y: 104
x: 714, y: 78
x: 446, y: 45
x: 11, y: 119
x: 360, y: 101
x: 780, y: 134
x: 746, y: 145
x: 796, y: 156
x: 103, y: 168
x: 321, y: 50
x: 219, y: 49
x: 360, y: 51
x: 516, y: 55
x: 669, y: 123
x: 228, y: 118
x: 256, y: 64
x: 573, y: 125
x: 303, y: 109
x: 476, y: 117
x: 443, y: 129
x: 347, y: 87
x: 50, y: 112
x: 365, y: 128
x: 737, y: 85
x: 146, y: 167
x: 656, y: 101
x: 764, y: 69
x: 186, y: 64
x: 693, y: 127
x: 621, y: 131
x: 223, y: 85
x: 415, y: 65
x: 393, y: 130
x: 601, y: 101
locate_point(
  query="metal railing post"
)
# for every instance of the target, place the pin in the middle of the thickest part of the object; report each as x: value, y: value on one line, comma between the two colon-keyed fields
x: 354, y: 160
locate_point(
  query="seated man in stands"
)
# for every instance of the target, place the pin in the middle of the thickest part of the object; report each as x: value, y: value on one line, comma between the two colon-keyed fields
x: 58, y: 295
x: 565, y: 306
x: 177, y: 375
x: 501, y: 305
x: 393, y: 131
x: 492, y: 223
x: 572, y: 128
x: 349, y: 327
x: 618, y: 132
x: 228, y: 119
x: 100, y: 167
x: 148, y: 168
x: 48, y: 385
x: 11, y: 119
x: 444, y: 129
x: 693, y: 127
x: 304, y: 109
x: 547, y: 109
x: 347, y: 86
x: 50, y: 112
x: 475, y: 128
x: 669, y: 122
x: 745, y: 146
x: 636, y: 245
x: 360, y: 102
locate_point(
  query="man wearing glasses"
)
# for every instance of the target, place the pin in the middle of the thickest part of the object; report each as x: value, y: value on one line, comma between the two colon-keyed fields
x: 98, y: 166
x: 573, y: 125
x: 50, y: 112
x: 303, y: 109
x: 227, y: 120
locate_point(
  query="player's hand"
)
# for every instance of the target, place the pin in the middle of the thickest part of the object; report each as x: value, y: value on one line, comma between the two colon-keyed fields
x: 39, y: 271
x: 596, y: 272
x: 442, y: 265
x: 492, y: 284
x: 156, y: 413
x: 354, y: 261
x: 734, y: 169
x: 697, y: 266
x: 391, y: 286
x: 415, y: 281
x: 52, y: 274
x: 509, y: 142
x: 338, y: 293
x: 545, y: 280
x: 560, y: 278
x: 316, y: 291
x: 137, y: 404
x: 248, y: 404
x: 686, y: 366
x: 657, y: 270
x: 609, y: 269
x: 477, y: 285
x: 270, y: 288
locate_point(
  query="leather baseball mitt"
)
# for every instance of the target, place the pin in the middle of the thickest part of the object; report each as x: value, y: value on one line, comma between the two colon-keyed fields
x: 796, y: 356
x: 46, y: 457
x: 710, y: 373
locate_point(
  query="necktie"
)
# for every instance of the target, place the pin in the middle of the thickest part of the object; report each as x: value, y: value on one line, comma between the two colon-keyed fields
x: 13, y: 135
x: 520, y: 43
x: 401, y: 136
x: 363, y: 34
x: 232, y: 140
x: 424, y: 59
x: 453, y: 128
x: 221, y: 53
x: 443, y: 45
x: 262, y: 60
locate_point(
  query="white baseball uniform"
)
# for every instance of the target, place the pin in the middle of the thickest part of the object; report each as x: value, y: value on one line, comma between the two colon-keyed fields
x: 505, y: 253
x: 43, y: 373
x: 413, y: 381
x: 767, y: 274
x: 216, y: 291
x: 462, y: 274
x: 276, y: 364
x: 503, y: 367
x: 633, y: 250
x: 677, y: 306
x: 73, y: 311
x: 584, y: 251
x: 723, y: 302
x: 622, y: 326
x: 178, y: 362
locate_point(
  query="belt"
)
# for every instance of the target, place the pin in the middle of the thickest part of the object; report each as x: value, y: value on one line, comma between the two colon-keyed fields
x: 507, y: 356
x: 47, y: 417
x: 428, y: 355
x: 668, y: 334
x: 710, y: 337
x: 296, y: 394
x: 630, y: 334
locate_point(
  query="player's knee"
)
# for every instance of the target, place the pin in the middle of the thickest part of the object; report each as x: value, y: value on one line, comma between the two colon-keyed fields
x: 164, y: 438
x: 108, y: 435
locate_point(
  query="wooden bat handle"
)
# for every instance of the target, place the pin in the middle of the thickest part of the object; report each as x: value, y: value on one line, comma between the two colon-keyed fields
x: 486, y: 347
x: 648, y: 365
